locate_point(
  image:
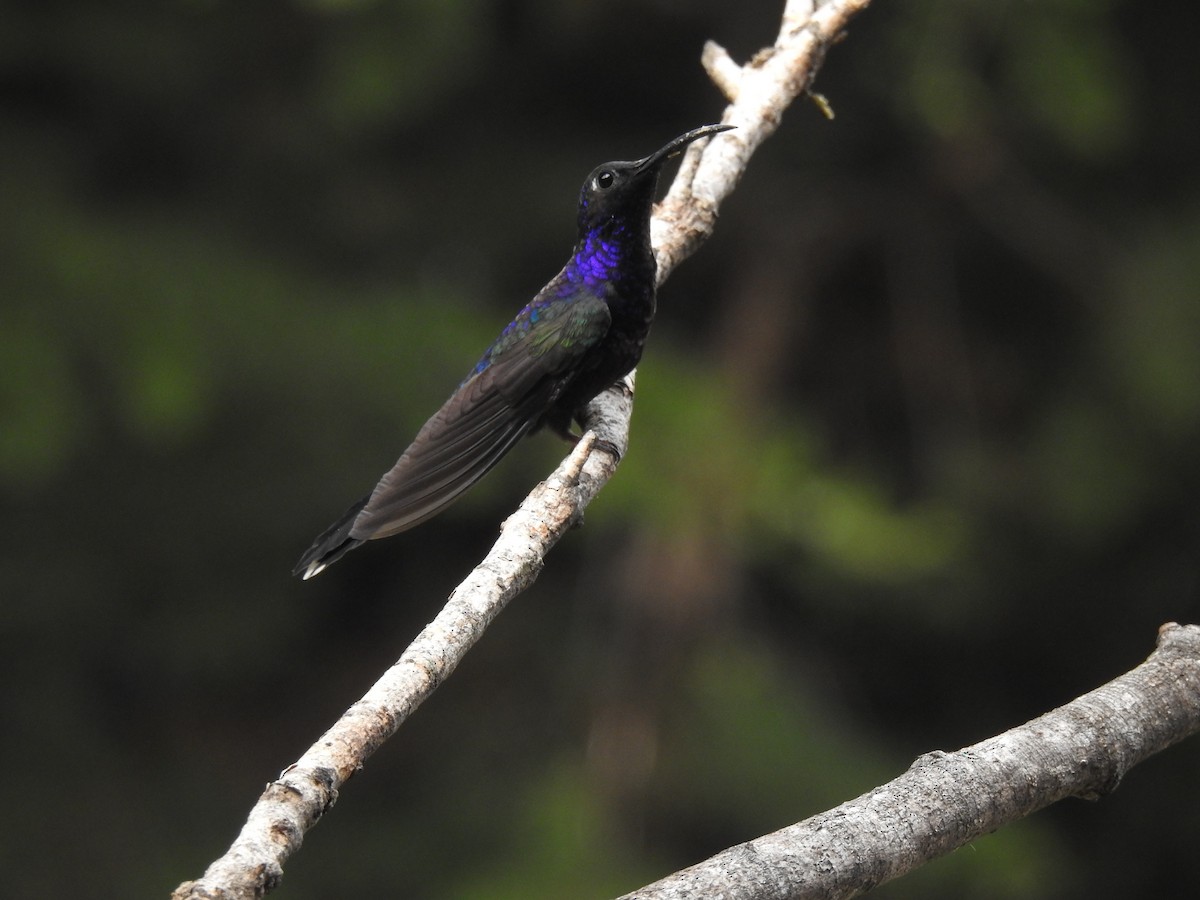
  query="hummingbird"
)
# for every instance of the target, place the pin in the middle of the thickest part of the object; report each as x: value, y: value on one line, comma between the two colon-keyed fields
x: 581, y: 333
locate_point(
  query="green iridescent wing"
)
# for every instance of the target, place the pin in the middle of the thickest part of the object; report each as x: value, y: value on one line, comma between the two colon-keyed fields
x: 513, y: 387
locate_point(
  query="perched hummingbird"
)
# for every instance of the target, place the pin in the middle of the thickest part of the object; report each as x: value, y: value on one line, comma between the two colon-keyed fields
x: 581, y: 333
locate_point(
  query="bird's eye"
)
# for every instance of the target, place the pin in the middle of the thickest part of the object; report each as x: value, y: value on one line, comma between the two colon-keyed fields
x: 605, y: 180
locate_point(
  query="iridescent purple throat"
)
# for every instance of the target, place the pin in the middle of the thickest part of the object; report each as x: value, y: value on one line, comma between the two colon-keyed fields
x: 597, y: 260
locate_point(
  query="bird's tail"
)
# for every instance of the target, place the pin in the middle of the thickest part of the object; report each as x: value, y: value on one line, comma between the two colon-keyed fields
x: 331, y: 544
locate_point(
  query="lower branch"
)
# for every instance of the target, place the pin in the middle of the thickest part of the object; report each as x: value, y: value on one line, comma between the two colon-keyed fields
x: 946, y: 800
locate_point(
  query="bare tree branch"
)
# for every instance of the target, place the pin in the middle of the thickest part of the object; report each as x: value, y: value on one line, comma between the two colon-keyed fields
x: 305, y: 791
x: 946, y: 800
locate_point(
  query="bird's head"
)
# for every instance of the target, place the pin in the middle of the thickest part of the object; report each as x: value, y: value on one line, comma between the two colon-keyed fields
x: 621, y: 193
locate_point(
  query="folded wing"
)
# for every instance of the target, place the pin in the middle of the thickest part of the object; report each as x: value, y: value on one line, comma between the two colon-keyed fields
x: 514, y: 386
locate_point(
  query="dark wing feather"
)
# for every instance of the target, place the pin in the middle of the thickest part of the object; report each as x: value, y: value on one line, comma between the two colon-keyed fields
x: 454, y: 449
x: 331, y: 544
x: 490, y: 412
x: 493, y: 409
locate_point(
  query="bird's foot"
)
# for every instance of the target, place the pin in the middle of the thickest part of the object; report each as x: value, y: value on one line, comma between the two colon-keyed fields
x: 608, y: 447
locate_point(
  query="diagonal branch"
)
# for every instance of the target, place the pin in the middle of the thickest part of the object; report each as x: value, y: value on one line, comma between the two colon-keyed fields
x: 305, y: 791
x: 946, y: 800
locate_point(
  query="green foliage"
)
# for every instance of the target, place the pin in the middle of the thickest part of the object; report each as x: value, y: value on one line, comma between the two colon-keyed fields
x: 247, y: 248
x: 1149, y: 336
x: 562, y: 845
x: 748, y: 733
x: 41, y: 407
x: 848, y: 524
x: 1066, y: 64
x: 1059, y: 67
x: 395, y: 62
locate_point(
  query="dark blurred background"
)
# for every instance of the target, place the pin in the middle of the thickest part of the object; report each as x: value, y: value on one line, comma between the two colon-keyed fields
x: 913, y: 456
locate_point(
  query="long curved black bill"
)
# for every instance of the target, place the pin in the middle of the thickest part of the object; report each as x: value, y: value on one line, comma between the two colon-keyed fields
x: 676, y: 146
